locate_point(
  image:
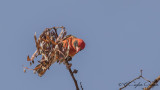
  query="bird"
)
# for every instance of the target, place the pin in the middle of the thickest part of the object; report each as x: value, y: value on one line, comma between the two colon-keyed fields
x: 75, y: 44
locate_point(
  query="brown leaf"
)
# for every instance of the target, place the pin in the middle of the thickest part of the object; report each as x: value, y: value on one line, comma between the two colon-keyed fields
x: 48, y: 38
x: 33, y: 62
x: 24, y: 70
x: 30, y: 63
x: 28, y: 59
x: 34, y: 71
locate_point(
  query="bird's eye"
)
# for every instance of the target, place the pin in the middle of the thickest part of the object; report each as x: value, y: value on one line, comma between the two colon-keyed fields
x: 75, y: 43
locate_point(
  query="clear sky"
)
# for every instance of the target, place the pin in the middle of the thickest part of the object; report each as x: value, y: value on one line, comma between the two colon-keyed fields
x: 122, y: 37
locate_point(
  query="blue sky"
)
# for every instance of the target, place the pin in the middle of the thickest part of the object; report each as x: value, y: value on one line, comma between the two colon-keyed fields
x: 122, y: 37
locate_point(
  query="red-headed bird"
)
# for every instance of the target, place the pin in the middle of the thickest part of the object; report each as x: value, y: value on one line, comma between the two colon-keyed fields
x: 75, y: 44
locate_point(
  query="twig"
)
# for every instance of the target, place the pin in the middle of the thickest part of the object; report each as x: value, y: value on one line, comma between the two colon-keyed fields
x: 75, y: 81
x: 81, y: 85
x: 140, y: 76
x: 153, y: 83
x: 129, y: 82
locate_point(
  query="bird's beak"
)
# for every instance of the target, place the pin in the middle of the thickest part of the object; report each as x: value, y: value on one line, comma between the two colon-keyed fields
x: 77, y: 49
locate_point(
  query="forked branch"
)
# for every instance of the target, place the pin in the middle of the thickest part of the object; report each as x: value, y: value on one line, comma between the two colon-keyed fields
x: 140, y: 76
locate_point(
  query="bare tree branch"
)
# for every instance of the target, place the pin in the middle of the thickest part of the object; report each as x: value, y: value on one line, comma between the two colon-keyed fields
x: 72, y: 75
x: 140, y: 76
x: 153, y: 83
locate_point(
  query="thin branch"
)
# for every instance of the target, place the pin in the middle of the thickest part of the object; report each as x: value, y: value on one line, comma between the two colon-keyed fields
x: 140, y: 76
x: 81, y: 85
x: 72, y: 75
x: 129, y: 83
x: 153, y: 83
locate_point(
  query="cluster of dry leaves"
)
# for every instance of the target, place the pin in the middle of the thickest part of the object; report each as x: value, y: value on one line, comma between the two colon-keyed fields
x: 49, y: 45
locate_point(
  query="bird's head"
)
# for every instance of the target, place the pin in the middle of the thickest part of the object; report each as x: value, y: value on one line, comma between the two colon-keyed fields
x: 78, y: 45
